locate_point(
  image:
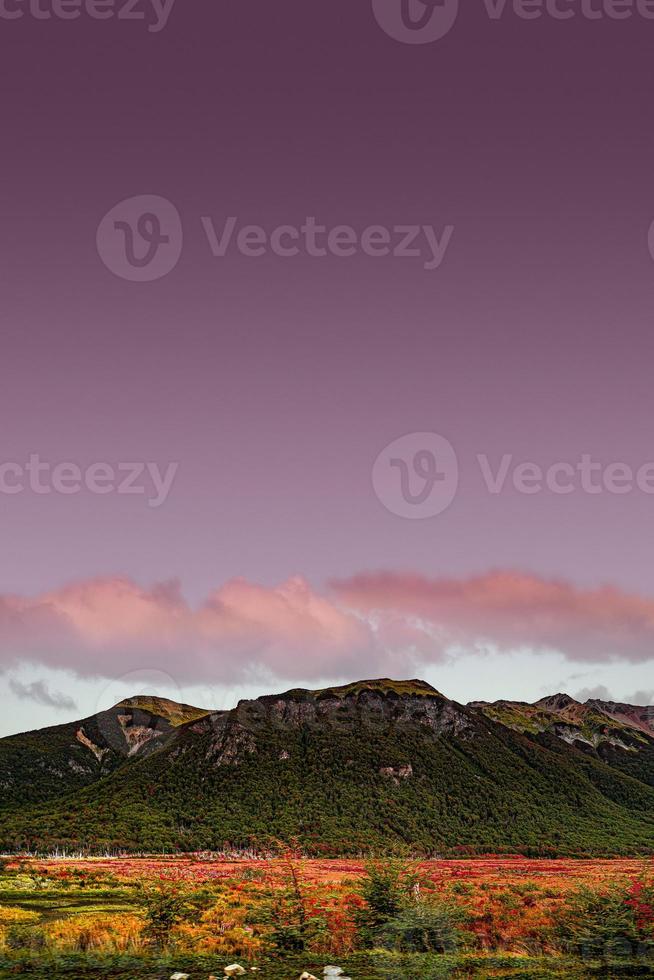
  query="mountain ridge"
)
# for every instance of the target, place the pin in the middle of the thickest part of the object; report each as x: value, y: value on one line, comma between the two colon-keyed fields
x: 369, y: 765
x: 179, y: 713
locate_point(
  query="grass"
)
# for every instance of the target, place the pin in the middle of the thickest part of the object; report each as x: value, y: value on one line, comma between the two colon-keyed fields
x: 359, y: 968
x: 86, y: 920
x: 386, y: 968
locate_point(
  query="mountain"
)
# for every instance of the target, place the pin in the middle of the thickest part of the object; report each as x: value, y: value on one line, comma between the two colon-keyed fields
x: 621, y: 735
x: 370, y: 765
x: 52, y: 762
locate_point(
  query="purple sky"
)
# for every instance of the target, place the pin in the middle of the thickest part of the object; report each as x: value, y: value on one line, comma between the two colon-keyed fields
x: 275, y: 383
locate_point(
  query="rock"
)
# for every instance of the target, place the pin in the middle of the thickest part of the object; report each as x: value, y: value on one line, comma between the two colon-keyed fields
x: 308, y: 976
x: 180, y: 976
x: 235, y: 970
x: 397, y: 773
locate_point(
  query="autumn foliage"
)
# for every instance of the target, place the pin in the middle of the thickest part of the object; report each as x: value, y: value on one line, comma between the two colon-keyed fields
x: 255, y: 910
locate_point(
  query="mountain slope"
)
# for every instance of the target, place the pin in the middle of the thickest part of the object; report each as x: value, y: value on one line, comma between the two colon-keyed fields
x: 621, y: 735
x: 42, y: 765
x: 370, y: 765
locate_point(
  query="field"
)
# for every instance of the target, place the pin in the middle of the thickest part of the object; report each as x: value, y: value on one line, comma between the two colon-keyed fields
x: 147, y: 918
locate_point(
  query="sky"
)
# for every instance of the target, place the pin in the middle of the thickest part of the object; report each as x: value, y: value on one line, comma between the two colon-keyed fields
x: 255, y: 456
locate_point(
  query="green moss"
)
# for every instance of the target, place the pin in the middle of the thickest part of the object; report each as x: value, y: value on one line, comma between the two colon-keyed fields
x: 176, y: 714
x: 414, y: 688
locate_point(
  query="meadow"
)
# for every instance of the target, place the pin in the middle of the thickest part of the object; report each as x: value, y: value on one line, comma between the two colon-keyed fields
x: 280, y: 916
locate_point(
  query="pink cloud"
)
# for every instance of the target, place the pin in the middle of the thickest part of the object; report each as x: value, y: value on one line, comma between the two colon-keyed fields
x: 111, y: 626
x: 371, y: 624
x: 510, y: 610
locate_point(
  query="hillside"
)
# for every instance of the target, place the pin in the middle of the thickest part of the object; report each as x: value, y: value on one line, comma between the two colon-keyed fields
x: 51, y: 762
x: 621, y: 735
x: 376, y: 764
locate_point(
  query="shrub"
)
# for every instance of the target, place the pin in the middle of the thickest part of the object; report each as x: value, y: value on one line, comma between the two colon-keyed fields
x: 385, y: 890
x: 86, y: 932
x: 604, y: 925
x: 425, y: 927
x: 23, y: 937
x: 14, y: 916
x: 220, y: 929
x: 252, y: 874
x: 641, y: 901
x: 165, y: 905
x: 289, y: 938
x: 387, y: 965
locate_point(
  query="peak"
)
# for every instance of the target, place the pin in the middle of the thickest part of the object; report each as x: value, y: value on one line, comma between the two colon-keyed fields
x: 614, y: 705
x: 383, y: 686
x: 556, y: 702
x: 173, y: 712
x: 143, y: 700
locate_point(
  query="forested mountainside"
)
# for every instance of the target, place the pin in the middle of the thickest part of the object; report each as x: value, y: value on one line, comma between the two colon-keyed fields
x: 373, y: 765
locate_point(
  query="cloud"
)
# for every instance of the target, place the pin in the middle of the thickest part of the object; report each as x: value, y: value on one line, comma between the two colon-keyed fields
x: 599, y: 693
x: 109, y: 627
x: 372, y: 624
x: 510, y: 611
x: 645, y: 698
x: 602, y: 693
x: 38, y: 691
